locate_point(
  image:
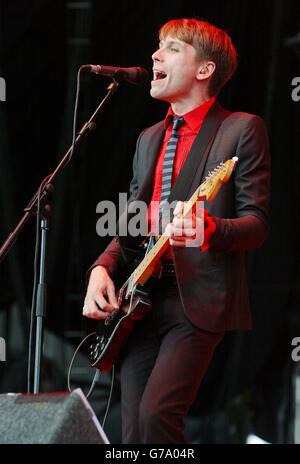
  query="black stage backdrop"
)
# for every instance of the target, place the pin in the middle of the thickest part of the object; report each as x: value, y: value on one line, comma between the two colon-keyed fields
x: 250, y: 385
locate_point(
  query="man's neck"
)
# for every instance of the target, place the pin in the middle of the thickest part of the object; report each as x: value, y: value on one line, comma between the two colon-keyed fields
x: 182, y: 107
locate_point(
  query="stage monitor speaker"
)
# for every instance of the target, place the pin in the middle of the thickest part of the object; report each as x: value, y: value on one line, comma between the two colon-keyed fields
x: 49, y: 418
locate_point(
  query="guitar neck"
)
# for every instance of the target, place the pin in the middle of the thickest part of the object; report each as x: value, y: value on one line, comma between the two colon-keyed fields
x: 144, y: 270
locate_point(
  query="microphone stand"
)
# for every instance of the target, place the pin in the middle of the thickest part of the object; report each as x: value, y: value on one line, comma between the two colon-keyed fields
x: 41, y: 198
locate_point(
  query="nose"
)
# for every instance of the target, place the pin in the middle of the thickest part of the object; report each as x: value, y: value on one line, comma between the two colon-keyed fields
x: 157, y: 55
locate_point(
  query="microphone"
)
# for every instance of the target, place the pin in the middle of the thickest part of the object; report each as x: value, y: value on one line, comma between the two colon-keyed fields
x: 133, y: 75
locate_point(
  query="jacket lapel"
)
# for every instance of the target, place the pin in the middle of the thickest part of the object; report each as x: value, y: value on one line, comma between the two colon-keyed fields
x: 152, y: 148
x: 192, y: 171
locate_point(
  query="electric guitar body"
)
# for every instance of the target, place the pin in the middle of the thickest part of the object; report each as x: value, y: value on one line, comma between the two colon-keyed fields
x: 115, y: 329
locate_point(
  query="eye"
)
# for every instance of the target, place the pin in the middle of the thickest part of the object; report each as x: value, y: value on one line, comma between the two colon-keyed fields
x: 174, y: 49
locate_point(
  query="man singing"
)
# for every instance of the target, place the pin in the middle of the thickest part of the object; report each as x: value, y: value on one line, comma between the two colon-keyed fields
x: 202, y: 290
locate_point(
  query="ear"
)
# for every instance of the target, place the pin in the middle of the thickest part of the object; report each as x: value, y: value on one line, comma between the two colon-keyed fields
x: 205, y: 70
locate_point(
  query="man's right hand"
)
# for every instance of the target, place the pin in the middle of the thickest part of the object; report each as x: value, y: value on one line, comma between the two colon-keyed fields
x: 100, y: 299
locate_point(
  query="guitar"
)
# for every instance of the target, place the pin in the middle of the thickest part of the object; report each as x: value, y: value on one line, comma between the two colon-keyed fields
x: 133, y: 298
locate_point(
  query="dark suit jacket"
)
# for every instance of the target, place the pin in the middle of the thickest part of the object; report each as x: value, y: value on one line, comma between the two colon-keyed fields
x: 212, y: 283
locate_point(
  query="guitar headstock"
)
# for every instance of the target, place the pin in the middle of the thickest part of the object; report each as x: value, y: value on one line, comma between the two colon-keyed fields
x: 216, y: 178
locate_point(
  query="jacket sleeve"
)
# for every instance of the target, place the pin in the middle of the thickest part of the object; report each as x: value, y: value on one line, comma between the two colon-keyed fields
x: 251, y: 178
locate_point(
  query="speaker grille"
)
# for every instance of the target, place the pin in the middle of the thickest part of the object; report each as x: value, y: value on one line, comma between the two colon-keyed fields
x: 49, y: 418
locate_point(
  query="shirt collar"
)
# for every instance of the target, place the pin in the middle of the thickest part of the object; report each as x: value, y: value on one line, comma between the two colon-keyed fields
x: 193, y: 118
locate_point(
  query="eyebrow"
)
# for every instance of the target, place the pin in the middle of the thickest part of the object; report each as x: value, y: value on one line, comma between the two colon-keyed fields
x: 169, y: 42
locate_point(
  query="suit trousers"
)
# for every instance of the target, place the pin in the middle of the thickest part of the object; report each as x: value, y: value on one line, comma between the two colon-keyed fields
x: 161, y: 368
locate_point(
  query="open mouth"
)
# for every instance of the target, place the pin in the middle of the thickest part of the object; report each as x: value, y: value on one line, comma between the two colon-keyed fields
x: 159, y: 75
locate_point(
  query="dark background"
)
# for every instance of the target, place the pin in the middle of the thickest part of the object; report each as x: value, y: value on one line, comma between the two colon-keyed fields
x: 250, y: 386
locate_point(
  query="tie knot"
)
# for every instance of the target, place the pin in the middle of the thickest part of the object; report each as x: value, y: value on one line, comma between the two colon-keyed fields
x: 177, y: 122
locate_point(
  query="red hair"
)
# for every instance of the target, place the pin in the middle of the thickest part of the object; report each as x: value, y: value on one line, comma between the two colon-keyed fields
x: 210, y: 43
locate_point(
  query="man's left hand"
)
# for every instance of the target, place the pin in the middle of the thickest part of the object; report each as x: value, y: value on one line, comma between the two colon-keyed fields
x: 186, y: 231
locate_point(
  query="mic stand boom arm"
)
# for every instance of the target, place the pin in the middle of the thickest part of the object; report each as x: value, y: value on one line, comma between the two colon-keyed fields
x: 31, y: 207
x: 40, y: 197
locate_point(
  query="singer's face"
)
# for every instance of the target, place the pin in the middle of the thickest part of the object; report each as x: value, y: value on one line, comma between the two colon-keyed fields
x: 175, y: 67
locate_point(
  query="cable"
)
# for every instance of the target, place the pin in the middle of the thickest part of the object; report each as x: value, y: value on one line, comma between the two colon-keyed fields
x: 95, y: 379
x: 73, y: 358
x: 110, y: 396
x: 94, y: 382
x: 36, y: 265
x: 75, y: 117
